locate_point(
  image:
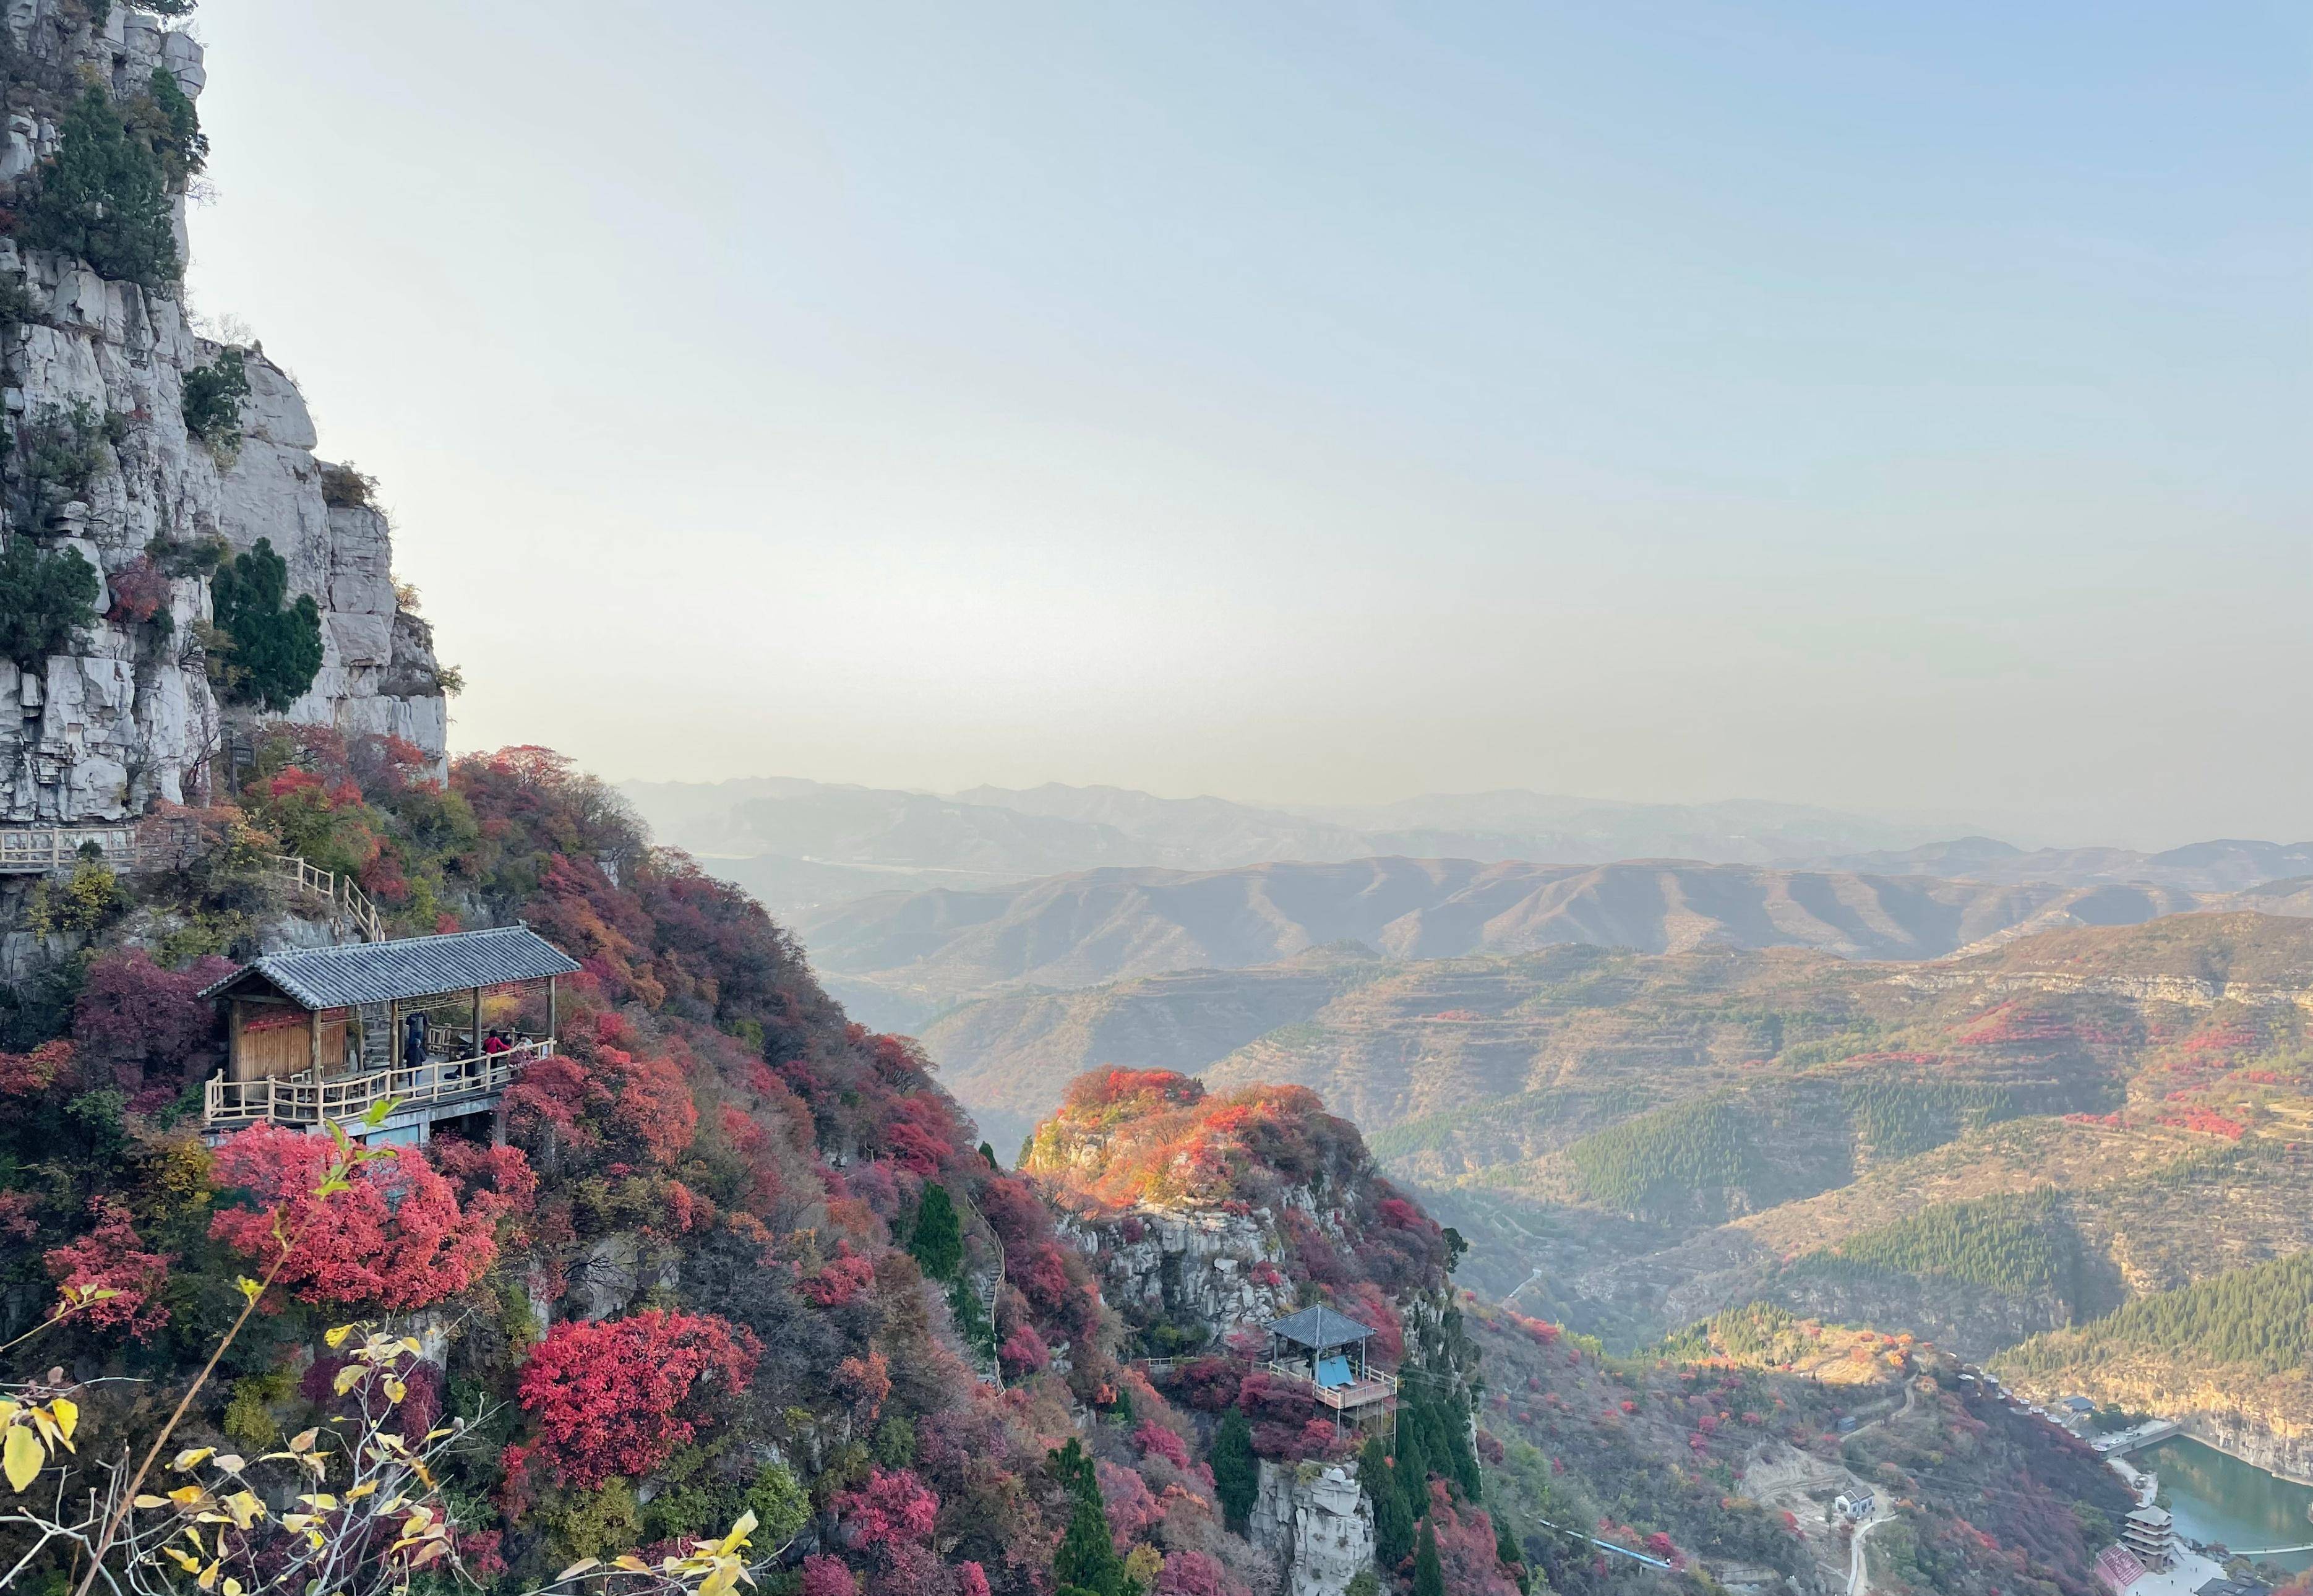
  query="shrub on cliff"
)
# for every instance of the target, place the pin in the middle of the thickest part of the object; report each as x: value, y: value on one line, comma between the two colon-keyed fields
x: 103, y: 196
x: 45, y: 597
x: 212, y: 400
x: 277, y: 645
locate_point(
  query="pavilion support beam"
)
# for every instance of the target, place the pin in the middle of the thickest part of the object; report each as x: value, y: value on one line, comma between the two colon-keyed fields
x: 314, y: 1038
x: 553, y: 1014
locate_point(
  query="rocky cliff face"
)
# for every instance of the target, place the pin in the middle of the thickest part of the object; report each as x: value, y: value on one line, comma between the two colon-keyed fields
x: 1316, y: 1520
x: 127, y: 715
x: 1205, y: 1272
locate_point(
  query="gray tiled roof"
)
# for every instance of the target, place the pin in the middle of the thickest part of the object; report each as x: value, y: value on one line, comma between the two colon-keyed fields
x: 407, y: 967
x: 1319, y: 1328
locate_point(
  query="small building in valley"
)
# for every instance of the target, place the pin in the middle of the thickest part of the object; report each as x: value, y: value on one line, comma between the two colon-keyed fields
x: 324, y: 1035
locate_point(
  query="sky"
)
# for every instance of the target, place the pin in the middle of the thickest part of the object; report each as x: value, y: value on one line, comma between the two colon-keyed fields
x: 1898, y: 409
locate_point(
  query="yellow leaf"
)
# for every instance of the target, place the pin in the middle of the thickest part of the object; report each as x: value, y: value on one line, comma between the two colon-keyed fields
x: 721, y: 1582
x: 67, y: 1414
x: 245, y: 1508
x: 185, y: 1560
x: 249, y: 1288
x: 232, y: 1586
x: 631, y: 1564
x: 744, y: 1527
x: 395, y: 1390
x: 21, y: 1458
x: 191, y: 1456
x: 359, y: 1491
x: 347, y: 1376
x: 207, y: 1582
x: 151, y: 1501
x: 577, y: 1568
x: 303, y: 1441
x: 337, y: 1338
x: 7, y: 1412
x: 232, y: 1464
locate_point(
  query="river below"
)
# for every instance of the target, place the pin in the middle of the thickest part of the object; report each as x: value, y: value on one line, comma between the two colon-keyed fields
x: 2216, y: 1496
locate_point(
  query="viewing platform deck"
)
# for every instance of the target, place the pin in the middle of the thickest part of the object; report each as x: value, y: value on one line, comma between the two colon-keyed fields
x: 439, y: 1089
x: 1358, y: 1396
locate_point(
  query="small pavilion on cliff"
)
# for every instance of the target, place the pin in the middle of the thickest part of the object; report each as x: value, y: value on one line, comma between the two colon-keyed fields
x: 1315, y: 1345
x: 326, y: 1034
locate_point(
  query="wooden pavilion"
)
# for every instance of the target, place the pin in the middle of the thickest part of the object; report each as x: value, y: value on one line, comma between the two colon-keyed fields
x: 326, y: 1033
x: 1317, y: 1346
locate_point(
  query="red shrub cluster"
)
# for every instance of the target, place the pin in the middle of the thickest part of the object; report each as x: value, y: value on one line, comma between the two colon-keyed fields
x: 619, y: 1396
x: 111, y: 1258
x: 134, y: 1016
x: 398, y: 1239
x: 2208, y: 1122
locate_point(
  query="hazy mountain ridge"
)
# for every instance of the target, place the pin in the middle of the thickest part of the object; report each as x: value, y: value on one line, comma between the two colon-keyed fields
x: 988, y: 834
x: 906, y: 957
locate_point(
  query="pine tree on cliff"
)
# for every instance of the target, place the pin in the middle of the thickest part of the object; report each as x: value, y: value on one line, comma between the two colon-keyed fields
x: 1393, y: 1521
x: 1428, y: 1577
x: 1412, y: 1471
x: 1087, y: 1559
x: 938, y: 1242
x: 1454, y: 1419
x: 1237, y: 1475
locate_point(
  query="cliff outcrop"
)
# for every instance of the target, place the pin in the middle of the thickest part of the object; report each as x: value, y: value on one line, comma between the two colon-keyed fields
x: 106, y: 459
x: 1318, y: 1521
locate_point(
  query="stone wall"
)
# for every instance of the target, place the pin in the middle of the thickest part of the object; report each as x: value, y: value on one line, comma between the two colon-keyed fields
x: 129, y: 716
x: 1315, y: 1519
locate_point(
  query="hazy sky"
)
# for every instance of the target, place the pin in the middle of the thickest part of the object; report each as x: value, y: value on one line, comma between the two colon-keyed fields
x: 1902, y: 408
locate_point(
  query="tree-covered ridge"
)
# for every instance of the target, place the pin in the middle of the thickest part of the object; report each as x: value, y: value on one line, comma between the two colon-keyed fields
x: 718, y: 1270
x: 2022, y: 1245
x: 2259, y: 1319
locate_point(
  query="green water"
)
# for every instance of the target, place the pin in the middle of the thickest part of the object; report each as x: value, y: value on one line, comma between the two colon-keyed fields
x: 2216, y: 1496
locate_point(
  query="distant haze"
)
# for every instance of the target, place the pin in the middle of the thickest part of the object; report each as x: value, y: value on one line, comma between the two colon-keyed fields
x: 1902, y: 410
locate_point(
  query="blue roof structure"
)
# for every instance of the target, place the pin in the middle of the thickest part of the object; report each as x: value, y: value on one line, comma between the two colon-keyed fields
x: 406, y: 968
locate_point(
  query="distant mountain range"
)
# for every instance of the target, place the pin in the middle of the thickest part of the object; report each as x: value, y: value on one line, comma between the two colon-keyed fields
x: 800, y: 845
x: 899, y: 958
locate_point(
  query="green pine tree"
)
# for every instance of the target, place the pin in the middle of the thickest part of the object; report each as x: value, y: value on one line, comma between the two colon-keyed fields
x: 1236, y: 1472
x: 1454, y: 1419
x: 1087, y: 1553
x: 1393, y: 1521
x: 1412, y: 1469
x: 103, y: 198
x: 1428, y: 1577
x: 277, y: 647
x: 44, y: 597
x: 938, y: 1242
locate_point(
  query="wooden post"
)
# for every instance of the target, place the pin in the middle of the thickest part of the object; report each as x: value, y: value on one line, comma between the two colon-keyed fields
x: 314, y: 1034
x: 551, y: 1009
x: 475, y: 1041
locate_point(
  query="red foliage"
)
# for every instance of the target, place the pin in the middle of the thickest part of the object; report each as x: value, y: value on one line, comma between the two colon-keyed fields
x: 1466, y: 1547
x: 864, y: 1383
x: 1132, y: 1510
x: 2208, y: 1122
x: 138, y: 590
x: 397, y: 1239
x: 1194, y: 1574
x: 28, y: 1074
x: 824, y: 1576
x: 844, y: 1278
x: 1154, y: 1439
x: 478, y: 1167
x: 619, y: 1396
x: 111, y: 1257
x: 1024, y: 1351
x: 132, y: 1013
x: 891, y: 1510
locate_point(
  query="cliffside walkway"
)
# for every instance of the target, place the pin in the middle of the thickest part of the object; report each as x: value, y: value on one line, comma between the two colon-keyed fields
x: 55, y: 850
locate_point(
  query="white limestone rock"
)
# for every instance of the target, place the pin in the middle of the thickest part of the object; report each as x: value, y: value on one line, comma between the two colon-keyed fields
x: 1316, y: 1519
x: 127, y: 716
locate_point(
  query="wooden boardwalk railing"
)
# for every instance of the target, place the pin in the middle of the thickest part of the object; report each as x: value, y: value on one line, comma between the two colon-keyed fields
x: 54, y: 850
x: 339, y: 891
x: 1372, y: 1385
x: 303, y: 1100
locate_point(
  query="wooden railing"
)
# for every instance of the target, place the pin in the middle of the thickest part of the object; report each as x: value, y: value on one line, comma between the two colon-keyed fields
x: 1372, y: 1385
x: 53, y: 850
x: 301, y: 1098
x: 339, y: 891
